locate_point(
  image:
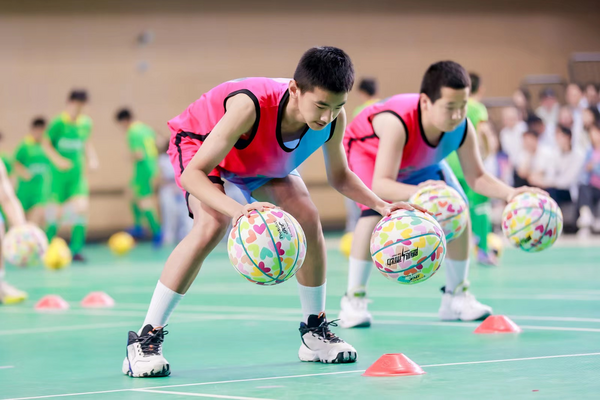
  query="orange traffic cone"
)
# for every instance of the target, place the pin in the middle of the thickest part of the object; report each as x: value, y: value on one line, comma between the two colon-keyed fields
x: 51, y: 302
x: 393, y: 365
x: 97, y: 300
x: 498, y: 324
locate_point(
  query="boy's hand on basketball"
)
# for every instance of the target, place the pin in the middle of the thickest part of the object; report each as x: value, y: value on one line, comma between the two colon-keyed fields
x: 525, y: 189
x: 248, y: 208
x: 432, y: 183
x: 401, y: 205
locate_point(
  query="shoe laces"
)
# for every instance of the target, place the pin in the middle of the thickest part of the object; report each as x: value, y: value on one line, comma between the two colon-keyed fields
x: 323, y: 331
x: 151, y: 342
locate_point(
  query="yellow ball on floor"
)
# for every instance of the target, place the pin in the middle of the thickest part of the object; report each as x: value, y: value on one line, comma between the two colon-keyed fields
x: 346, y: 244
x: 495, y: 244
x: 58, y: 255
x: 121, y: 243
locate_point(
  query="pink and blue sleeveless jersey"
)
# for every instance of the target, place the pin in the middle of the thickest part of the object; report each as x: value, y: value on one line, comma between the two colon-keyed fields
x: 260, y: 154
x: 420, y: 159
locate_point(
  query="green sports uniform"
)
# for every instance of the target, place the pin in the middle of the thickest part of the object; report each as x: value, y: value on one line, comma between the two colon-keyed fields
x: 36, y: 191
x: 479, y: 206
x: 142, y: 139
x: 69, y: 137
x: 8, y: 162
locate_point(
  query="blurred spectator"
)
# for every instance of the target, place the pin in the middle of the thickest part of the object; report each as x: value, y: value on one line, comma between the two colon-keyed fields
x: 532, y: 159
x: 591, y: 97
x: 574, y: 97
x: 512, y: 133
x: 589, y: 193
x: 522, y: 100
x: 562, y: 168
x: 367, y: 91
x: 549, y: 107
x: 537, y: 125
x: 590, y: 116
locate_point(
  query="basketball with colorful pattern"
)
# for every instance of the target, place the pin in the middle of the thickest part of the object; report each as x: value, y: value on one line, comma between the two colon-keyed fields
x: 24, y: 245
x: 447, y: 206
x: 532, y: 222
x: 408, y: 247
x: 268, y: 247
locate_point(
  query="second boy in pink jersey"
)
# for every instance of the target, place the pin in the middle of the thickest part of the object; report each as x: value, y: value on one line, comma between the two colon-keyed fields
x: 255, y: 132
x: 397, y: 146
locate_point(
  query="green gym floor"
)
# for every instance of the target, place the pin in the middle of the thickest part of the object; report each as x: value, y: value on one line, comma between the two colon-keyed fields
x: 229, y: 339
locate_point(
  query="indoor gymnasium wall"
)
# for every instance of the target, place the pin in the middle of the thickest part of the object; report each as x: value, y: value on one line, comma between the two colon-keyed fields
x: 48, y: 48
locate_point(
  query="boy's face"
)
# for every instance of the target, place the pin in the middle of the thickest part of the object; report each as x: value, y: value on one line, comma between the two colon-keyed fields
x: 38, y: 132
x: 595, y: 137
x: 449, y: 110
x: 530, y: 143
x: 77, y: 106
x: 318, y: 107
x: 591, y: 94
x: 124, y: 124
x: 573, y: 95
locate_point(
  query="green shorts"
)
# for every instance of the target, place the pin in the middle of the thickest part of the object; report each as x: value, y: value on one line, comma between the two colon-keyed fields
x: 142, y: 185
x: 32, y: 197
x: 66, y: 185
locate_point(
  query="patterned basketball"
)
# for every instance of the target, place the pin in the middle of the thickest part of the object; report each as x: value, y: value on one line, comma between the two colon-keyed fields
x: 408, y: 246
x: 447, y: 206
x: 268, y: 247
x: 532, y: 222
x: 24, y: 245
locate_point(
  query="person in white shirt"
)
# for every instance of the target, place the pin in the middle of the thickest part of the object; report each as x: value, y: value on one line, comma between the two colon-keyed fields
x: 511, y: 136
x: 548, y: 109
x: 562, y: 168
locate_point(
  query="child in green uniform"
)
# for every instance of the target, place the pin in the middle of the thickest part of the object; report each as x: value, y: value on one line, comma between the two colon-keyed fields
x: 141, y: 141
x: 67, y: 139
x: 33, y: 186
x: 479, y: 206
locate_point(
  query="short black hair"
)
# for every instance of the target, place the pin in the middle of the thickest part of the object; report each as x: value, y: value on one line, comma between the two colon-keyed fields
x: 78, y: 95
x: 38, y: 122
x: 327, y: 68
x: 444, y: 74
x: 368, y: 85
x: 565, y: 130
x: 595, y: 112
x: 475, y: 82
x: 547, y: 92
x: 124, y: 114
x: 531, y: 133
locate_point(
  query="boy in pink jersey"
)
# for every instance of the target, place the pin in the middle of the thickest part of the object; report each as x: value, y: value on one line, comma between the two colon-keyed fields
x: 255, y: 132
x: 396, y: 147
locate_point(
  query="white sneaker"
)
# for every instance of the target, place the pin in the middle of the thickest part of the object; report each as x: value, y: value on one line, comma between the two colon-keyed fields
x: 320, y: 344
x: 10, y: 294
x: 354, y: 313
x: 462, y: 305
x: 144, y: 354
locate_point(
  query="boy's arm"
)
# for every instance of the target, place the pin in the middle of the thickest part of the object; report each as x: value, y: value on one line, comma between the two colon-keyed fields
x: 9, y: 202
x: 92, y: 156
x: 344, y: 180
x: 238, y: 119
x: 476, y: 176
x: 59, y: 161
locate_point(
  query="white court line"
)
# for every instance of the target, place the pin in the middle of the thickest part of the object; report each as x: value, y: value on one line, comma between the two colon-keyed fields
x: 274, y: 311
x: 7, y: 367
x: 195, y: 317
x: 302, y: 376
x: 212, y: 396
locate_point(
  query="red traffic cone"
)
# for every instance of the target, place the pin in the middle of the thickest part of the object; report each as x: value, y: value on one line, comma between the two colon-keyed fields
x: 97, y: 300
x: 52, y: 302
x: 393, y: 365
x: 498, y: 324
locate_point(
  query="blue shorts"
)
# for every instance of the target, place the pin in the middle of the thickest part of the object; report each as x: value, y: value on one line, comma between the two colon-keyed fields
x: 436, y: 172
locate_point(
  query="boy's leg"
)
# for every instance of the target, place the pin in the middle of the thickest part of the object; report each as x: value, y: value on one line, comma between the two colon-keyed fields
x: 457, y: 302
x: 318, y: 343
x: 354, y: 312
x: 179, y: 272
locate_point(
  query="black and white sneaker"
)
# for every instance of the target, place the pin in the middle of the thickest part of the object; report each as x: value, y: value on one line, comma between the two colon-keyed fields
x: 144, y: 354
x: 320, y: 344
